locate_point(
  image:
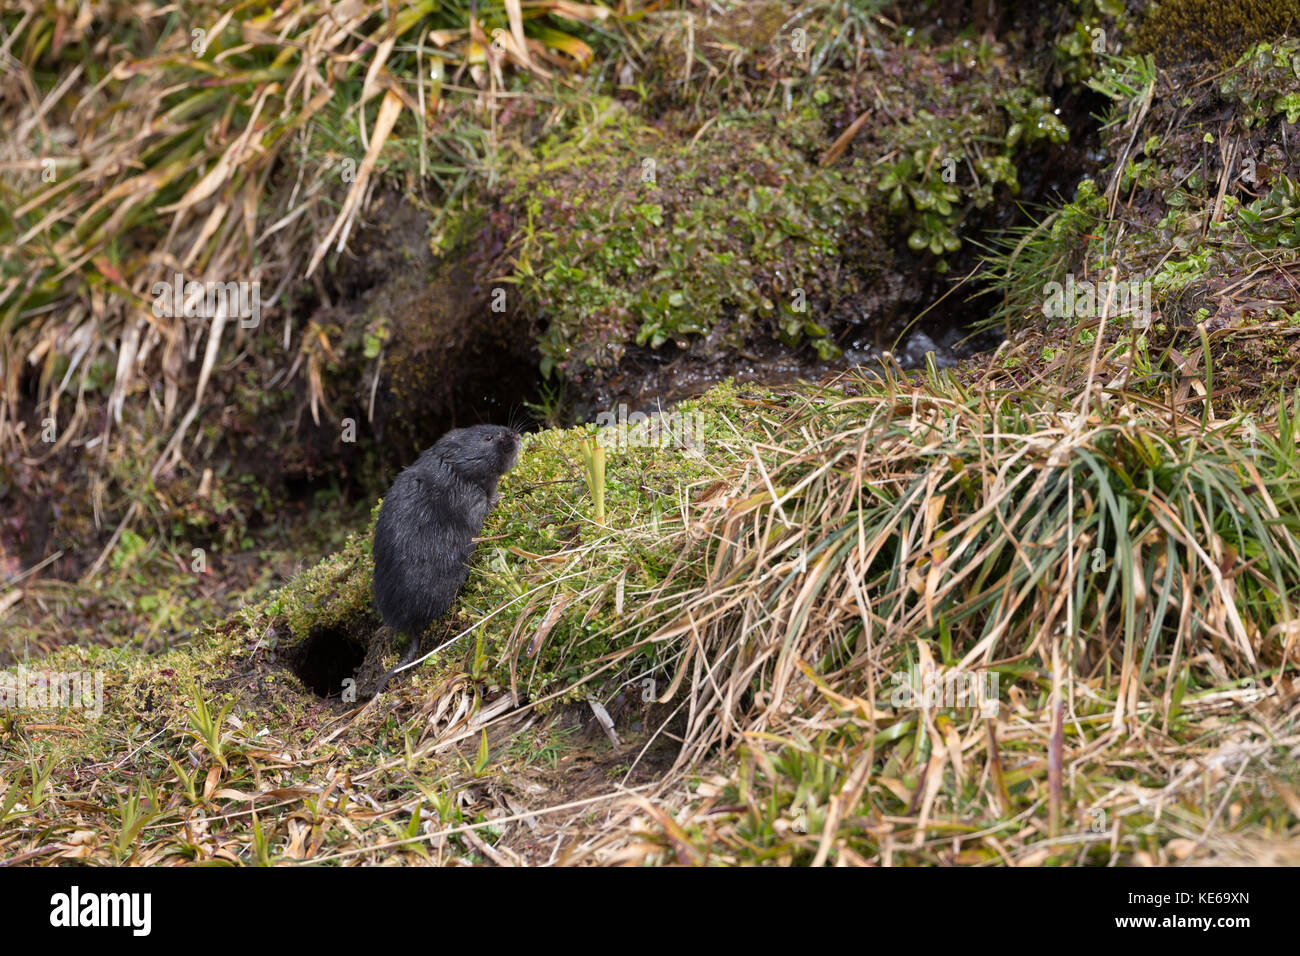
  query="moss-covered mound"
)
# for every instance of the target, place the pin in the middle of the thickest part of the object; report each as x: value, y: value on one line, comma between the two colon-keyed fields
x: 1180, y: 32
x: 643, y: 239
x: 818, y: 216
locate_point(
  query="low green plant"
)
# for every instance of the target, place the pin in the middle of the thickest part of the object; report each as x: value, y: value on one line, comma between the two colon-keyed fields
x: 1273, y: 220
x: 1097, y: 25
x: 206, y: 727
x: 134, y: 811
x: 1020, y: 262
x: 922, y: 183
x: 593, y: 460
x: 1265, y: 81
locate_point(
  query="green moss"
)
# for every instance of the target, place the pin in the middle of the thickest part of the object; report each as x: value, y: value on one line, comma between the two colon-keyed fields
x: 454, y: 228
x: 750, y: 227
x: 1184, y: 31
x: 646, y: 241
x: 333, y: 593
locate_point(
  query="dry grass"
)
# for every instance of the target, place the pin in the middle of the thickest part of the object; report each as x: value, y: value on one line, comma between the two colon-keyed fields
x: 1128, y: 571
x: 227, y: 143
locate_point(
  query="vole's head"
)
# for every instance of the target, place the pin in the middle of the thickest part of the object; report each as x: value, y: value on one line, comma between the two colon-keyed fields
x: 480, y: 453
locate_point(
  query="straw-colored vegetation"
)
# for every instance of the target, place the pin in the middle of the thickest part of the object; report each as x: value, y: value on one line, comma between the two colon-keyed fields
x: 233, y: 141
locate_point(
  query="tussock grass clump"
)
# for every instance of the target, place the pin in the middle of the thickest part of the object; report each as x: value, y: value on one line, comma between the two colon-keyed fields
x: 1098, y: 566
x: 1002, y: 526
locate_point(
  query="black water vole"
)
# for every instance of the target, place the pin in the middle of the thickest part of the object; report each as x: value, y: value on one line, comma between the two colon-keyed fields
x: 425, y: 534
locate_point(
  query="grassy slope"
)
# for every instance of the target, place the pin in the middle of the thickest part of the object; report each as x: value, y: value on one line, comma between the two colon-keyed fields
x: 772, y: 629
x: 829, y: 539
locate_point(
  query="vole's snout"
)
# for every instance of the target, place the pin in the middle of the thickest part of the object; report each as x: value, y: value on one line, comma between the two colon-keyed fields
x: 510, y: 441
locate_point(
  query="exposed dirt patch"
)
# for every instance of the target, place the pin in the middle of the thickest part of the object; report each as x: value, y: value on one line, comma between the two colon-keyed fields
x: 576, y: 781
x: 451, y: 354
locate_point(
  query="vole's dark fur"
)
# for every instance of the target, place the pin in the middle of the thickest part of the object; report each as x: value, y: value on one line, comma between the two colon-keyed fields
x: 425, y: 534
